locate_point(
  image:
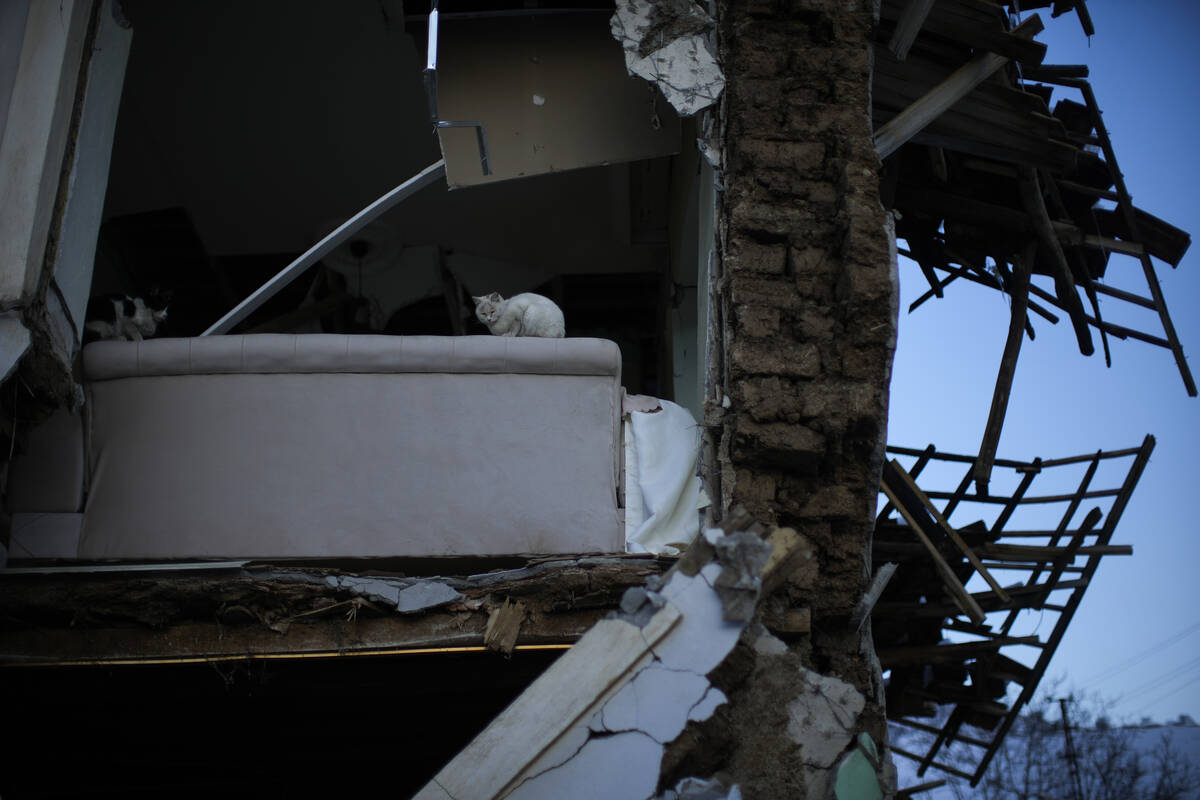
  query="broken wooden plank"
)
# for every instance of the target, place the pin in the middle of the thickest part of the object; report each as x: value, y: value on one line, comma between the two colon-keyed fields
x: 1016, y: 552
x: 1128, y: 297
x: 891, y: 657
x: 882, y: 576
x: 504, y: 626
x: 977, y: 24
x: 342, y: 233
x: 908, y: 26
x: 1162, y: 239
x: 899, y: 473
x: 1019, y: 291
x: 1064, y: 283
x: 960, y: 83
x: 957, y: 591
x: 907, y: 792
x: 495, y: 759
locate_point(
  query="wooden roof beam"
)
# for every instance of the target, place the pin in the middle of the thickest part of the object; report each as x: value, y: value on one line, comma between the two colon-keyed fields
x: 936, y: 101
x: 908, y: 26
x: 1022, y: 269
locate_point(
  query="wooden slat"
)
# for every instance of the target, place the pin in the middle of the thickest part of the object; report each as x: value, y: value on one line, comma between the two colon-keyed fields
x: 1035, y: 206
x: 910, y: 512
x: 897, y: 472
x: 908, y: 25
x: 1016, y: 552
x: 960, y: 83
x: 1072, y: 604
x: 602, y: 659
x: 891, y: 657
x: 1162, y: 239
x: 1120, y: 294
x: 1019, y: 291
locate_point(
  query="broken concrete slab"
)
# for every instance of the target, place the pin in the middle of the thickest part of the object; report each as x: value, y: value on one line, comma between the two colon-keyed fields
x: 667, y: 42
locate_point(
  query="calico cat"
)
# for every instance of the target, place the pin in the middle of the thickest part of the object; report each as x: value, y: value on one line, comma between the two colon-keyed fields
x: 122, y: 317
x: 525, y: 314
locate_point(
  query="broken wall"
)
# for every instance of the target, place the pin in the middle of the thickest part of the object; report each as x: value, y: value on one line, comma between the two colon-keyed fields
x: 796, y: 406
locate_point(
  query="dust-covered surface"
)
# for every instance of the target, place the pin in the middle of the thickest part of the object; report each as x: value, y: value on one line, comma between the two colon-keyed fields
x: 272, y: 608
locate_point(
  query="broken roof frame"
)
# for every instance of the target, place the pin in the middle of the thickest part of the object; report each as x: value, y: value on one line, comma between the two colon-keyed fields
x: 1046, y: 568
x: 1005, y: 178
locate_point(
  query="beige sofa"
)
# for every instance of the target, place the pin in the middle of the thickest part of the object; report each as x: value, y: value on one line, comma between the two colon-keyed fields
x: 314, y: 446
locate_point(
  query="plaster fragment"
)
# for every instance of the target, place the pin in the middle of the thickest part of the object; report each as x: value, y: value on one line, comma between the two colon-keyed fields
x: 701, y: 789
x: 638, y: 605
x: 425, y: 595
x: 404, y: 596
x: 606, y: 767
x: 667, y: 42
x: 657, y: 702
x: 742, y: 556
x: 822, y: 719
x: 380, y: 591
x: 713, y: 699
x: 703, y: 637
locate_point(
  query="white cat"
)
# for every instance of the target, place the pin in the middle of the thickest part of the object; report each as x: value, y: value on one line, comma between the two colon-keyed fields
x: 525, y: 314
x: 122, y: 317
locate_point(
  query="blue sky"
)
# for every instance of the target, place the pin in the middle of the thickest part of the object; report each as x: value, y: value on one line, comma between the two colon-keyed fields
x: 1136, y: 638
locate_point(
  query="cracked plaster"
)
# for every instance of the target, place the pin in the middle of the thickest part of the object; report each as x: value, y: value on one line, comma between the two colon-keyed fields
x: 628, y: 762
x: 822, y: 719
x: 616, y: 752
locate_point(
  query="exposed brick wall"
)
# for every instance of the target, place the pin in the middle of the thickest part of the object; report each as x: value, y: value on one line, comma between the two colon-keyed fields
x: 806, y: 300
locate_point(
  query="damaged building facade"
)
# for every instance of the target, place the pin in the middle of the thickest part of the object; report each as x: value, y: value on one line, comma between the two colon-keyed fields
x: 670, y: 555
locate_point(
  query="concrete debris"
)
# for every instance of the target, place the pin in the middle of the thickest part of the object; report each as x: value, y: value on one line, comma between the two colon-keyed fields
x: 742, y: 557
x: 701, y: 789
x: 667, y: 42
x: 638, y: 605
x: 405, y: 596
x: 767, y: 644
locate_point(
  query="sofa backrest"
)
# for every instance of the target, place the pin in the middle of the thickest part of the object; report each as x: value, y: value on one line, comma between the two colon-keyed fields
x: 329, y: 446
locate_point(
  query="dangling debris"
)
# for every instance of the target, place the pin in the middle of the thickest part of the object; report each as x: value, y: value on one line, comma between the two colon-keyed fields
x: 667, y: 43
